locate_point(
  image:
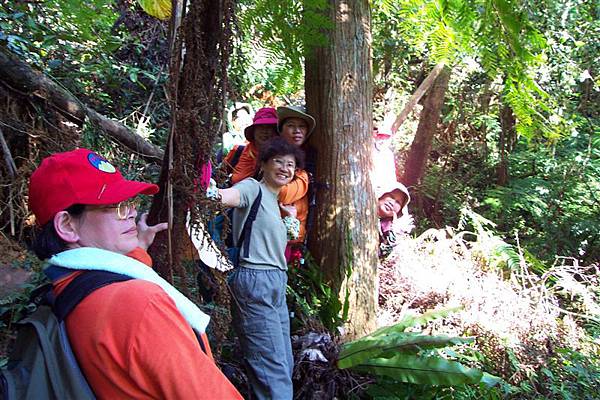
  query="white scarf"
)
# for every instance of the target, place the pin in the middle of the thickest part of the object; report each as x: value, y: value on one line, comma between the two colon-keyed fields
x: 91, y: 258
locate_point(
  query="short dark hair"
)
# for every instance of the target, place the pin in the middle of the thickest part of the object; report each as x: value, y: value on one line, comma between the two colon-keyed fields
x: 278, y: 146
x: 46, y: 242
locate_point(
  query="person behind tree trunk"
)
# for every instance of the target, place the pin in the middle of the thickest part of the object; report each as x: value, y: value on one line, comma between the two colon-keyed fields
x: 263, y: 128
x: 238, y: 116
x: 258, y: 285
x: 295, y: 126
x: 384, y: 165
x: 133, y: 339
x: 392, y: 210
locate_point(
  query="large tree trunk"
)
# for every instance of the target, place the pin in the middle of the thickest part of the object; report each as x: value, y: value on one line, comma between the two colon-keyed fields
x: 338, y: 92
x: 414, y: 168
x: 508, y: 136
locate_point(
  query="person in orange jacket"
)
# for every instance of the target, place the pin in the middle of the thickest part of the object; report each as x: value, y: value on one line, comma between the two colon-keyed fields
x: 263, y: 128
x: 135, y: 339
x: 295, y: 126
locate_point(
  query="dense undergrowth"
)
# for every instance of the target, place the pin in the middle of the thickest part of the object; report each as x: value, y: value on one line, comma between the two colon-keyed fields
x: 537, y: 332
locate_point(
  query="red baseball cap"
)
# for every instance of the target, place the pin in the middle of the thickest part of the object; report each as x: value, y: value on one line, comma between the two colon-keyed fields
x: 380, y: 135
x: 78, y: 177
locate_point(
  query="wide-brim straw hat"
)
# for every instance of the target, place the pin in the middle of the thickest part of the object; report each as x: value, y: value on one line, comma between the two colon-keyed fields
x: 286, y: 112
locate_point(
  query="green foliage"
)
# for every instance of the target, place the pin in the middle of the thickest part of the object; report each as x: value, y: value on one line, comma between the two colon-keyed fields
x: 424, y: 370
x: 389, y: 389
x: 551, y: 201
x: 407, y: 356
x: 85, y: 50
x: 572, y: 375
x: 495, y: 36
x: 275, y: 36
x: 45, y: 32
x: 314, y: 297
x: 360, y: 352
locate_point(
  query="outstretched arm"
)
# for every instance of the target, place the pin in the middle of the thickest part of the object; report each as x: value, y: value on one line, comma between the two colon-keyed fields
x: 229, y: 197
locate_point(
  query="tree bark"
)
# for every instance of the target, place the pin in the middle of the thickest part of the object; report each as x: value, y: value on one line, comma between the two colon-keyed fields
x: 21, y: 78
x: 198, y: 86
x: 338, y: 93
x: 416, y: 161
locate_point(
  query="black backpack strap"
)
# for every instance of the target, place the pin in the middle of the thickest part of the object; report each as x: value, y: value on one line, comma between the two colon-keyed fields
x: 236, y: 156
x: 200, y: 341
x: 247, y: 230
x: 80, y: 288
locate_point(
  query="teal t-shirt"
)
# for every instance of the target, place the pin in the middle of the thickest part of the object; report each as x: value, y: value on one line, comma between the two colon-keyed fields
x: 269, y: 235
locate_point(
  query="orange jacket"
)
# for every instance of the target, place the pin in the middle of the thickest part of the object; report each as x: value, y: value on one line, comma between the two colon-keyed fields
x: 132, y: 342
x: 246, y: 166
x: 296, y: 193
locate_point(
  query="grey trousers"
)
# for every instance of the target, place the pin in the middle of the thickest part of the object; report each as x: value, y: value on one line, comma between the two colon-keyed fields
x: 262, y: 323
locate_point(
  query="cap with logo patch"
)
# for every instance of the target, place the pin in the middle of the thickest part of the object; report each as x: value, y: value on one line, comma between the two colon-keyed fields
x: 78, y: 177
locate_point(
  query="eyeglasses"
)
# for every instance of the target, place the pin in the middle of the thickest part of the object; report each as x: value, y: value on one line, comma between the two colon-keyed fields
x: 284, y: 164
x: 123, y: 208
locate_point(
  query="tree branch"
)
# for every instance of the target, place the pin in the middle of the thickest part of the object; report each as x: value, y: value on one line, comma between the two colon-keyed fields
x: 21, y: 78
x: 414, y: 99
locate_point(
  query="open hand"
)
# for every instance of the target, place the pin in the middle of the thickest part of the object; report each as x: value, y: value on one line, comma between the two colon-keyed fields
x: 147, y: 233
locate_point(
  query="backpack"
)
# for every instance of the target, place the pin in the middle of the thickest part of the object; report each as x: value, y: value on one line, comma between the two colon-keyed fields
x: 42, y: 364
x: 236, y: 156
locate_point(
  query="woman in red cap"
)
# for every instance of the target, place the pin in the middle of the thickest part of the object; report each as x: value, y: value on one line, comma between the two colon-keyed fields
x: 263, y: 128
x: 135, y: 338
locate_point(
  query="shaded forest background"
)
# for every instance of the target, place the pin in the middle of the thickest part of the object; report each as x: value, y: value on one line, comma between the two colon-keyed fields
x: 504, y: 168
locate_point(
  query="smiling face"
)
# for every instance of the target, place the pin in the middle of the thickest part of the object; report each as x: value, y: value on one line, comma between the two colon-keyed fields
x: 390, y: 204
x: 279, y: 171
x: 263, y: 133
x: 101, y: 228
x: 294, y: 131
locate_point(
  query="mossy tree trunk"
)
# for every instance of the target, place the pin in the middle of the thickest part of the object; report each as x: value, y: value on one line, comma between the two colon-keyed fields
x: 339, y: 95
x: 201, y: 31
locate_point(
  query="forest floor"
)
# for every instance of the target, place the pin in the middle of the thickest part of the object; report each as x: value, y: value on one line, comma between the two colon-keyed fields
x: 516, y: 319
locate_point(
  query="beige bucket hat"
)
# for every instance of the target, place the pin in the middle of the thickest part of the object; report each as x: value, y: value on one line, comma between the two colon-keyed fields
x: 286, y: 112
